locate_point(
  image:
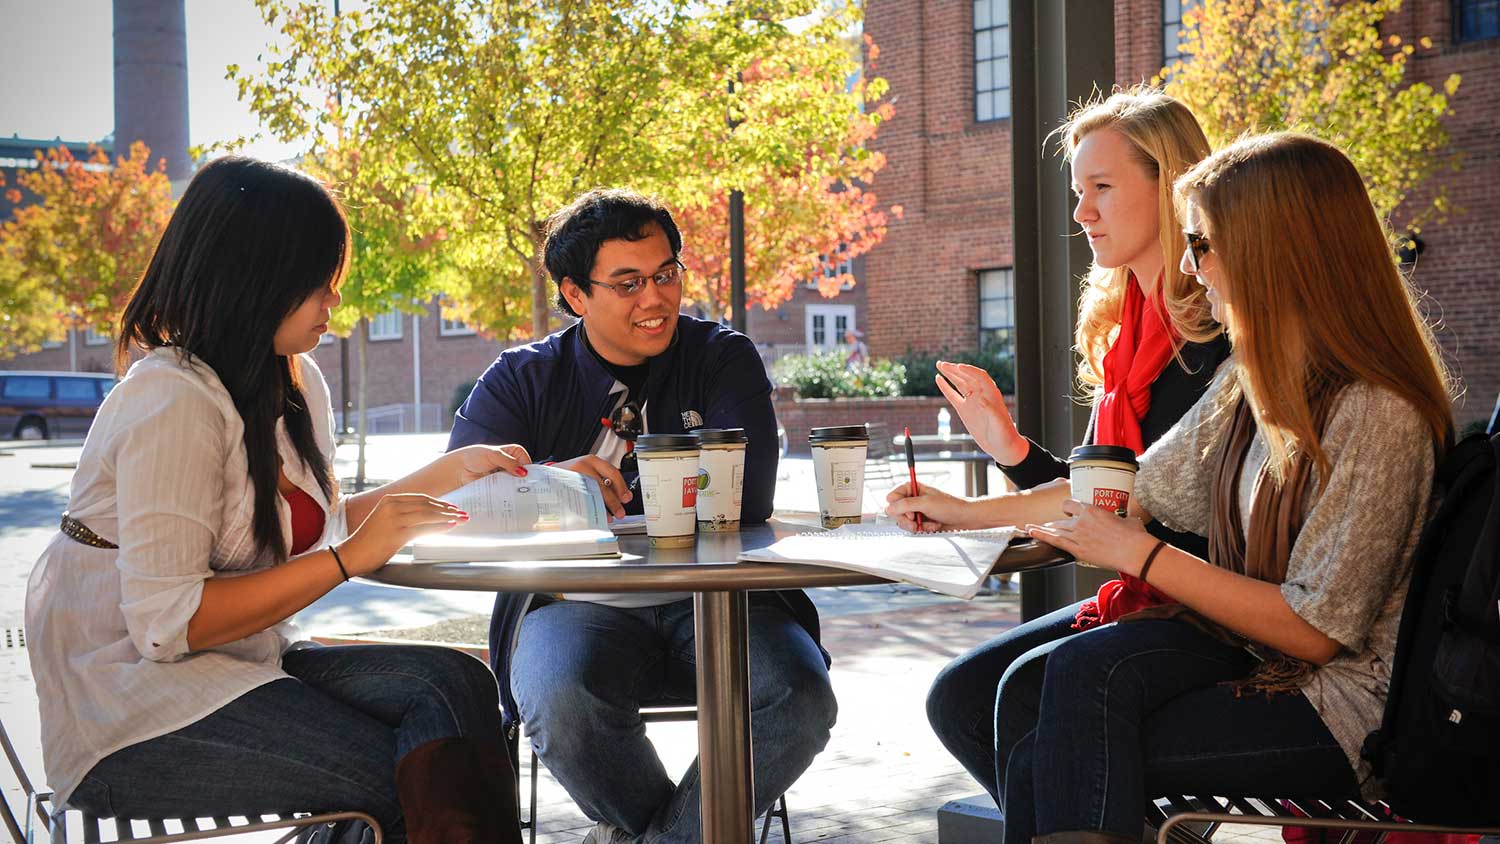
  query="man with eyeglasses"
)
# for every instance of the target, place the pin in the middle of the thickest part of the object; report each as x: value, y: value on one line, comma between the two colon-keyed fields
x: 577, y: 668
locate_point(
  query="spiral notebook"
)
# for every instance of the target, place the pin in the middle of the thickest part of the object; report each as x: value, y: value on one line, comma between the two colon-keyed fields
x: 951, y: 562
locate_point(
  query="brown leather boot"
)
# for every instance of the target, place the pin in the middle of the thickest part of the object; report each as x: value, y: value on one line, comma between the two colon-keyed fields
x: 458, y: 791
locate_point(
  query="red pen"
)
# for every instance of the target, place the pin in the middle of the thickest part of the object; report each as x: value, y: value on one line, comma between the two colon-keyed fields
x: 911, y: 466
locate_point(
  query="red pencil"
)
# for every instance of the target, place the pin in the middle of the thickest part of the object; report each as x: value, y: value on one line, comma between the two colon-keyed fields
x: 911, y: 466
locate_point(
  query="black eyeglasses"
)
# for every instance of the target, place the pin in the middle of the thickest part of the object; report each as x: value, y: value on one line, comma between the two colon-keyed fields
x: 628, y: 287
x: 1197, y: 247
x: 626, y: 421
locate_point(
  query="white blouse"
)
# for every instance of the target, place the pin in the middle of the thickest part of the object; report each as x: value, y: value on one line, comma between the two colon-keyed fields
x: 163, y: 474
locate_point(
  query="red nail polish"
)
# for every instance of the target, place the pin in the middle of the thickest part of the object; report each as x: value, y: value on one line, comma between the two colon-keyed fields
x: 521, y: 471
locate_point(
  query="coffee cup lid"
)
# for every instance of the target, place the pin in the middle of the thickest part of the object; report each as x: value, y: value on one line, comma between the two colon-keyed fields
x: 719, y: 436
x: 839, y: 432
x: 665, y: 442
x: 1103, y: 452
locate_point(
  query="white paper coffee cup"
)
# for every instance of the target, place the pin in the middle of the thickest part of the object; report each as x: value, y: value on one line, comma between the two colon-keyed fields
x: 839, y: 465
x: 721, y: 478
x: 1104, y: 476
x: 669, y: 487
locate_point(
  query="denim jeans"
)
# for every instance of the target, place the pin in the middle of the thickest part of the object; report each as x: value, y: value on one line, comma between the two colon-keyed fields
x: 1088, y: 725
x: 582, y: 671
x: 327, y: 739
x: 961, y: 702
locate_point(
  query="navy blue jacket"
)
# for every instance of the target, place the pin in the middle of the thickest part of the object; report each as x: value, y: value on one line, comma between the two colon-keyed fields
x: 550, y: 395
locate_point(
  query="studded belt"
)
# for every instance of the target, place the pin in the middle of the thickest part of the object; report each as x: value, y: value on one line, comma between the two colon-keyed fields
x: 79, y: 532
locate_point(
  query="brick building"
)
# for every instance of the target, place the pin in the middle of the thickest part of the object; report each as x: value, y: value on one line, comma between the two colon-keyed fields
x: 948, y: 152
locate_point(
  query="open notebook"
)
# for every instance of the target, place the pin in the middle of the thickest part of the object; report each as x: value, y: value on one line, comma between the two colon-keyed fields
x: 951, y: 562
x: 551, y: 514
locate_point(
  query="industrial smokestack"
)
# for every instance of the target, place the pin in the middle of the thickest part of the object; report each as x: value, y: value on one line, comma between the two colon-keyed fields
x: 151, y: 83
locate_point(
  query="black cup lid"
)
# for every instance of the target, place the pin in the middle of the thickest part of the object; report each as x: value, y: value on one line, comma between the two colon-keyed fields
x: 1103, y: 452
x: 665, y: 442
x: 721, y: 436
x: 839, y: 432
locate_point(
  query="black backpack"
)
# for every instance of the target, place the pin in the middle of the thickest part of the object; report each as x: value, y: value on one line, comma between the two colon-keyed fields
x: 1437, y: 752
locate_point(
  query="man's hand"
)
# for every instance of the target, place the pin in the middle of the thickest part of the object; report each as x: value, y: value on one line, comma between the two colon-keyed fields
x: 609, y: 478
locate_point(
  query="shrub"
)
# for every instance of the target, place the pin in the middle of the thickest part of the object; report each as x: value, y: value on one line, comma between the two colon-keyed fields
x: 921, y: 369
x: 824, y: 376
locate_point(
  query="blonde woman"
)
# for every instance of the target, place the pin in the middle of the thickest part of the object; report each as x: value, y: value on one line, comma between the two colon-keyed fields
x: 1309, y: 466
x: 1149, y: 349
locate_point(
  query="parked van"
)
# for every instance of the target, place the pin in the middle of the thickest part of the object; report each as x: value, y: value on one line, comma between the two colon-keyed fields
x: 43, y: 405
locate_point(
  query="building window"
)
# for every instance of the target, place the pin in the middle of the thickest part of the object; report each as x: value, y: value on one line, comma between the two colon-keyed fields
x: 832, y: 269
x: 1171, y: 28
x: 453, y: 328
x: 53, y: 344
x: 997, y: 309
x: 991, y: 60
x: 327, y: 339
x: 826, y: 326
x: 92, y: 337
x: 1476, y: 20
x: 386, y: 326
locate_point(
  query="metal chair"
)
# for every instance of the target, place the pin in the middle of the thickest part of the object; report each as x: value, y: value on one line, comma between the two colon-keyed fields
x: 1172, y: 815
x: 650, y: 715
x: 42, y: 813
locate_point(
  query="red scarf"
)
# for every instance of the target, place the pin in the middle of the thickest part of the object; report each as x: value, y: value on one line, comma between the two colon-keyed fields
x: 1140, y: 352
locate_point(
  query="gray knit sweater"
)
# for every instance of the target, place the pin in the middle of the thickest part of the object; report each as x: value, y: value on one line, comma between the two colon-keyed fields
x: 1351, y: 564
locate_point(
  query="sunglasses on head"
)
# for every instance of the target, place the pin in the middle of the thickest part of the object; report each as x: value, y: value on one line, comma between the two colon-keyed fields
x: 1197, y: 247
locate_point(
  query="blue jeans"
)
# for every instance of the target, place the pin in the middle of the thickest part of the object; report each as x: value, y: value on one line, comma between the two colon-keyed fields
x: 327, y: 739
x: 1088, y: 725
x: 582, y: 671
x: 961, y: 702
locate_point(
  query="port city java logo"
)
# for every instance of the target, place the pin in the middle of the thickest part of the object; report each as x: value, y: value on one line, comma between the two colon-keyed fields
x: 1114, y: 500
x: 690, y: 492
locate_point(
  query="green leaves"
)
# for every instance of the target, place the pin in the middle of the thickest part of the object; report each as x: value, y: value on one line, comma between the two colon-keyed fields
x: 506, y: 110
x: 1319, y: 66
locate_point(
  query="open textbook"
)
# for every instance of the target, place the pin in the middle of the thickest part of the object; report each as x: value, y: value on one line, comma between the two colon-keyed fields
x: 551, y: 514
x: 951, y: 562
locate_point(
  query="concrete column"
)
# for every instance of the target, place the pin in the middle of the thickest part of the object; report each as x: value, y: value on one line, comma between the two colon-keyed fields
x: 151, y: 83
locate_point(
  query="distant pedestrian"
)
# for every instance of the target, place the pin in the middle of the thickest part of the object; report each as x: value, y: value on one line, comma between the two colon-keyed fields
x: 859, y: 353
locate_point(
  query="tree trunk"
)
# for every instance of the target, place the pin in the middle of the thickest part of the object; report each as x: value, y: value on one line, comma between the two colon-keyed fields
x: 363, y: 329
x: 540, y: 308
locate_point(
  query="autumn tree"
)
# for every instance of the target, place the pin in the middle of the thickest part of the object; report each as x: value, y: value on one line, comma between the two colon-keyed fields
x: 801, y: 222
x: 509, y: 110
x: 72, y: 258
x: 1319, y: 66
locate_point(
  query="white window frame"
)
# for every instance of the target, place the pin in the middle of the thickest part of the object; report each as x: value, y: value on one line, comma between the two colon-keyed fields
x: 830, y: 314
x: 829, y: 269
x: 94, y: 338
x: 979, y: 278
x: 1171, y: 28
x: 454, y: 328
x: 992, y: 101
x: 386, y: 326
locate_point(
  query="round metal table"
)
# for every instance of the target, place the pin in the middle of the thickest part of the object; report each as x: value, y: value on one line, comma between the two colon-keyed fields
x: 721, y: 621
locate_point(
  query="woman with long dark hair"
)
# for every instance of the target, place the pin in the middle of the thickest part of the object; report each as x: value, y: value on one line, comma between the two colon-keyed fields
x: 204, y: 513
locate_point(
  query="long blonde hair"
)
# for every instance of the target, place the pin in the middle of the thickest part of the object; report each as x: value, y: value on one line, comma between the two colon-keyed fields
x: 1314, y: 298
x: 1166, y: 140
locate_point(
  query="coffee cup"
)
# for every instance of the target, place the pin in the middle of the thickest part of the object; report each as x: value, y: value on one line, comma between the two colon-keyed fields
x: 721, y: 478
x: 1103, y: 476
x: 839, y: 465
x: 669, y: 487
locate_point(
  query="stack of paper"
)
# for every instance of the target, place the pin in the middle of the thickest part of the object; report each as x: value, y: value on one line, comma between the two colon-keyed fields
x: 952, y: 562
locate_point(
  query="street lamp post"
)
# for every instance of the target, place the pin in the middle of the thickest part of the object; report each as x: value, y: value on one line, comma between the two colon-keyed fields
x: 736, y: 239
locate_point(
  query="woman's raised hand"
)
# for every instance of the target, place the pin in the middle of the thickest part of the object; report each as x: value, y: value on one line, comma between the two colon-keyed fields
x: 397, y: 519
x: 973, y: 393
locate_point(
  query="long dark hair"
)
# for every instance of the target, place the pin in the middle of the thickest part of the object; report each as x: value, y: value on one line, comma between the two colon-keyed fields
x: 248, y: 243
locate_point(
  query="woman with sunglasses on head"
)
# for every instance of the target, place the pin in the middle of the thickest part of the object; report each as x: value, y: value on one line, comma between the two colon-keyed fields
x: 204, y: 513
x: 1309, y: 466
x: 1149, y: 349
